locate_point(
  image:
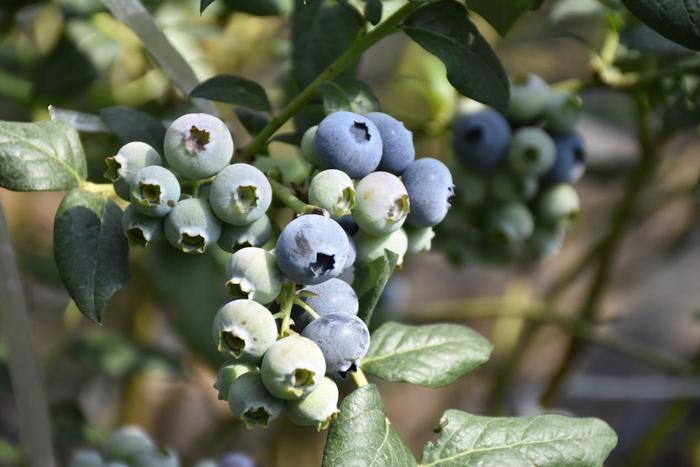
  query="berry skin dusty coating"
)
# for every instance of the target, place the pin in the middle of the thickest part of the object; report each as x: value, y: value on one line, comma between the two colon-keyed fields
x: 312, y: 249
x: 191, y: 226
x: 227, y: 374
x: 122, y: 167
x: 141, y: 229
x: 532, y: 151
x: 382, y: 203
x: 243, y: 330
x: 333, y: 296
x: 154, y: 190
x: 318, y: 408
x: 234, y: 237
x: 292, y: 368
x: 570, y: 162
x: 240, y: 194
x: 430, y: 191
x: 198, y: 145
x: 529, y: 96
x: 349, y: 142
x: 237, y: 459
x: 343, y: 339
x: 397, y: 143
x: 123, y: 444
x: 251, y: 402
x: 480, y: 140
x: 252, y: 273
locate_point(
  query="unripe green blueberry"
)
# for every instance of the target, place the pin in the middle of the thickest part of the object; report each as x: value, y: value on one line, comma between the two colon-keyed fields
x: 308, y: 146
x: 507, y: 186
x: 532, y: 151
x: 546, y: 241
x: 141, y: 229
x: 243, y: 330
x: 227, y: 374
x: 251, y: 402
x: 563, y: 111
x: 419, y: 240
x: 293, y: 367
x: 234, y: 237
x: 156, y: 458
x: 198, y: 145
x: 154, y: 191
x: 381, y: 203
x: 370, y: 247
x: 131, y: 158
x: 511, y: 223
x: 207, y: 463
x: 191, y: 226
x: 252, y: 273
x: 560, y: 204
x: 318, y: 408
x: 529, y: 95
x: 333, y: 191
x: 240, y: 194
x: 123, y: 444
x: 86, y: 458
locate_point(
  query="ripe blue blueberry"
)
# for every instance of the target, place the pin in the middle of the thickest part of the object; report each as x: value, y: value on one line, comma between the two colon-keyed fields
x: 86, y: 458
x: 243, y: 330
x: 371, y: 247
x: 332, y: 296
x: 234, y: 237
x: 349, y: 142
x: 506, y: 186
x: 318, y: 408
x: 126, y: 442
x: 430, y: 190
x: 348, y: 224
x: 308, y: 146
x: 570, y: 163
x: 343, y: 339
x: 141, y: 229
x: 191, y: 227
x: 252, y: 273
x: 240, y: 194
x: 237, y: 459
x: 312, y: 249
x: 532, y: 151
x: 510, y: 224
x: 480, y: 140
x: 560, y: 204
x: 198, y: 145
x: 131, y: 158
x: 154, y: 190
x: 333, y: 191
x: 397, y: 143
x: 382, y: 203
x: 529, y: 95
x: 292, y: 367
x: 251, y: 402
x: 228, y: 373
x: 563, y: 111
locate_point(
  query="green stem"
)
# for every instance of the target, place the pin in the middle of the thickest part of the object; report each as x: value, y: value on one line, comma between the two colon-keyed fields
x: 359, y: 377
x: 286, y: 196
x: 302, y: 304
x: 364, y: 41
x: 287, y: 301
x: 106, y: 188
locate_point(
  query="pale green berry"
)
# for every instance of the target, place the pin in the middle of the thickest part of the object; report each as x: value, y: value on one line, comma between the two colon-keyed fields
x: 381, y: 203
x: 140, y: 229
x: 131, y: 158
x: 532, y: 151
x: 308, y: 146
x: 511, y: 223
x: 419, y: 240
x: 471, y: 188
x: 156, y: 458
x: 507, y: 186
x: 123, y: 444
x: 227, y: 374
x: 251, y: 402
x: 234, y: 237
x: 244, y: 330
x: 560, y: 204
x: 546, y: 241
x: 293, y: 367
x: 154, y: 191
x: 333, y: 191
x: 563, y: 111
x: 252, y: 273
x: 240, y: 194
x: 318, y: 408
x: 86, y: 458
x: 191, y: 226
x: 370, y: 247
x: 529, y: 95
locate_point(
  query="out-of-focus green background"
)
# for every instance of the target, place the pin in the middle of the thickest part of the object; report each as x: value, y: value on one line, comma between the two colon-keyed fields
x: 152, y: 363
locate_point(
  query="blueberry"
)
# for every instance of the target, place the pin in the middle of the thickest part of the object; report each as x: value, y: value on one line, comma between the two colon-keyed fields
x: 308, y: 146
x: 312, y: 249
x: 563, y: 112
x: 332, y: 296
x: 343, y: 339
x: 506, y: 186
x: 333, y: 191
x: 318, y: 408
x: 292, y: 367
x: 480, y: 140
x: 348, y: 224
x: 240, y: 194
x: 419, y: 240
x: 546, y: 241
x: 154, y: 190
x: 252, y: 273
x: 131, y: 158
x: 228, y: 373
x: 191, y: 226
x: 560, y: 204
x: 123, y: 444
x: 156, y: 458
x: 570, y: 163
x: 349, y: 142
x: 397, y: 143
x: 382, y: 203
x: 86, y: 458
x: 234, y: 237
x: 198, y: 145
x: 243, y: 330
x: 141, y: 229
x: 370, y: 247
x: 532, y: 151
x: 237, y: 459
x: 529, y: 95
x: 352, y: 254
x: 430, y: 190
x: 251, y: 402
x: 510, y: 224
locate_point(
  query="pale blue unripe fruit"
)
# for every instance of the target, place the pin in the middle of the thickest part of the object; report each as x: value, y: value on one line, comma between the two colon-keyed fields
x: 532, y: 151
x: 140, y: 229
x: 252, y: 273
x: 154, y: 191
x: 317, y: 408
x: 333, y: 191
x: 292, y: 368
x: 122, y: 167
x: 381, y: 203
x: 240, y: 194
x: 243, y: 330
x: 227, y: 374
x: 251, y: 402
x: 191, y: 226
x: 234, y: 237
x: 529, y: 96
x: 370, y: 247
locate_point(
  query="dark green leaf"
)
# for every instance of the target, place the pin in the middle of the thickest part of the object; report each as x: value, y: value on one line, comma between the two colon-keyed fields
x: 261, y: 7
x: 370, y: 280
x: 233, y: 90
x: 53, y: 80
x: 133, y: 125
x: 362, y: 435
x: 204, y: 4
x: 321, y: 31
x: 350, y: 95
x: 444, y: 29
x: 42, y: 156
x: 91, y: 251
x: 543, y: 440
x: 678, y: 20
x: 502, y: 14
x: 373, y: 11
x: 432, y: 355
x: 252, y: 120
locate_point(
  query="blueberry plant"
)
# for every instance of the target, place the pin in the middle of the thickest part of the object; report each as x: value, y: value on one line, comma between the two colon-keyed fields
x: 306, y: 261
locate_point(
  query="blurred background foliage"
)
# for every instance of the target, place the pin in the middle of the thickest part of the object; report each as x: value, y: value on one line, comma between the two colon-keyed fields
x: 153, y: 363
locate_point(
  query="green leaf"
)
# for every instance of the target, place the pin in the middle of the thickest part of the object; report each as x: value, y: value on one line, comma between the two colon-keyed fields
x: 260, y: 7
x: 443, y: 28
x: 542, y: 440
x: 370, y: 280
x: 502, y: 14
x: 90, y: 249
x: 42, y: 156
x: 373, y: 11
x: 362, y: 435
x: 433, y: 355
x: 204, y: 4
x: 133, y: 125
x: 233, y: 90
x: 678, y: 20
x: 252, y: 120
x: 350, y: 95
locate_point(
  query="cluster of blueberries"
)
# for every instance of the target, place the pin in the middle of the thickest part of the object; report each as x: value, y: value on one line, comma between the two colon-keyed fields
x: 516, y: 198
x: 130, y: 446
